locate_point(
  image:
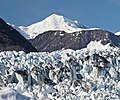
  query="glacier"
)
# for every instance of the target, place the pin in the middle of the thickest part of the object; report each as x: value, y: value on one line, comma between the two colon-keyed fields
x: 60, y: 75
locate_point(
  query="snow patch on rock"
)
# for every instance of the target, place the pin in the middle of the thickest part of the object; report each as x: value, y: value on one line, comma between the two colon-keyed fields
x: 117, y: 33
x: 98, y: 46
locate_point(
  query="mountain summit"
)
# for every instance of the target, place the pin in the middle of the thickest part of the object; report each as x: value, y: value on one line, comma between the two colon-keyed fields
x: 51, y: 23
x: 55, y: 22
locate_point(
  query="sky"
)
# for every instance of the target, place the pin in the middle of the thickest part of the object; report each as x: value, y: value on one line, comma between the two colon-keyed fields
x: 103, y: 14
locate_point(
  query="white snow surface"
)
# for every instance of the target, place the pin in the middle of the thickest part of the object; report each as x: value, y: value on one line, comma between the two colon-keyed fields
x: 52, y: 23
x: 7, y: 93
x: 98, y: 46
x: 117, y: 33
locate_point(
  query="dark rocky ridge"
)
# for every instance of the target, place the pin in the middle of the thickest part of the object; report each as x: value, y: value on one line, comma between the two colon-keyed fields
x: 10, y: 39
x: 56, y: 40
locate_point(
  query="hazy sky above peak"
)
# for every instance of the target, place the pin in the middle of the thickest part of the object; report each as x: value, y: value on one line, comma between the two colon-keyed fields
x: 93, y: 13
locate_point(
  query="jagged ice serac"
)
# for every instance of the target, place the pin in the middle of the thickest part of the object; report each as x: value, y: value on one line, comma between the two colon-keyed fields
x: 60, y: 75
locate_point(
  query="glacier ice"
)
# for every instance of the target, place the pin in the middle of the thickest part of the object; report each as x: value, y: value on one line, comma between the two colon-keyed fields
x: 61, y: 75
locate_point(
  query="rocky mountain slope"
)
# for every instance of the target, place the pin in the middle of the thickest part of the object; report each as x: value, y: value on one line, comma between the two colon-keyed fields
x: 10, y: 39
x: 56, y: 40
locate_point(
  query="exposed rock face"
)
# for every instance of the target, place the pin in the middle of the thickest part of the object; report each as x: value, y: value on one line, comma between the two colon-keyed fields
x: 56, y: 40
x: 10, y: 39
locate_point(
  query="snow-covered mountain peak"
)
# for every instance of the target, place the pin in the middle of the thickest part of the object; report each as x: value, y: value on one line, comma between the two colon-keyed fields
x: 55, y: 22
x: 63, y: 20
x: 52, y: 22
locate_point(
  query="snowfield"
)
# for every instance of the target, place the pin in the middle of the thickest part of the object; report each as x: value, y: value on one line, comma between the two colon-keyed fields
x: 60, y: 75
